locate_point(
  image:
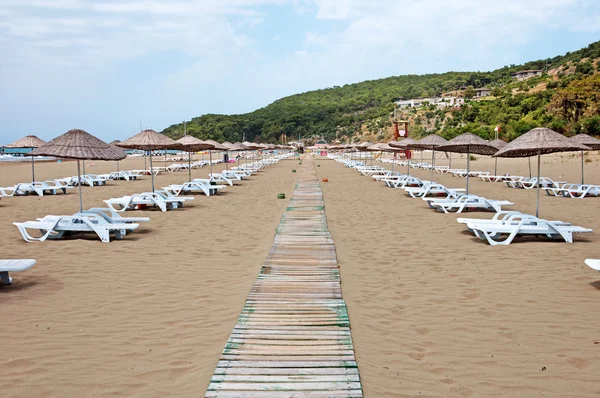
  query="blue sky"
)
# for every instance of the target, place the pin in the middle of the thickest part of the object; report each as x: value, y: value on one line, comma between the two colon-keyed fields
x: 103, y: 65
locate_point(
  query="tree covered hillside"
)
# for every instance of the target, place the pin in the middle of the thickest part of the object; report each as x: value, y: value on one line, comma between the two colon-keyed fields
x: 562, y: 98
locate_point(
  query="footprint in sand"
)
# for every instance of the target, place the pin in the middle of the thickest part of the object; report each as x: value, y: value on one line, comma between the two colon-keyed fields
x: 422, y: 331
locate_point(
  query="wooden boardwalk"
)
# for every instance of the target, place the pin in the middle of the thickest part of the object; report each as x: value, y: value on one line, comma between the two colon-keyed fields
x: 293, y: 336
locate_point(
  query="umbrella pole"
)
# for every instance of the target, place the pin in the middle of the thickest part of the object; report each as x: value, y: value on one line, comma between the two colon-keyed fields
x: 227, y: 160
x: 33, y: 168
x: 210, y: 159
x: 450, y: 165
x: 83, y: 163
x: 529, y: 159
x: 468, y: 166
x: 393, y: 162
x: 79, y: 178
x: 190, y: 164
x: 432, y: 163
x: 408, y: 164
x: 496, y: 166
x: 152, y: 171
x: 537, y: 205
x: 582, y: 176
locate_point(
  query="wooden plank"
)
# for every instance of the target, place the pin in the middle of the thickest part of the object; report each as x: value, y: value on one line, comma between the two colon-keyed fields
x: 286, y: 378
x: 286, y: 371
x: 315, y: 386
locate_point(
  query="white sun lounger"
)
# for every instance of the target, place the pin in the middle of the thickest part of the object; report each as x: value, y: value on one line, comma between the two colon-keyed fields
x: 202, y: 186
x: 232, y: 175
x: 493, y: 232
x: 220, y: 177
x: 7, y: 266
x: 55, y: 227
x: 407, y: 181
x: 590, y: 262
x: 533, y: 183
x: 490, y: 178
x: 433, y: 190
x: 466, y: 202
x: 143, y: 200
x: 21, y: 189
x: 576, y: 191
x: 114, y: 217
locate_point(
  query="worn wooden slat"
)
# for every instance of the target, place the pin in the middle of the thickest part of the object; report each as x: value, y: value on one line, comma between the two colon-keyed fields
x: 282, y: 394
x: 286, y: 371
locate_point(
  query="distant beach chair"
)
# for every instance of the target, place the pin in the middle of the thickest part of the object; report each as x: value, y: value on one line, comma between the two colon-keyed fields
x: 144, y: 200
x: 220, y: 177
x: 112, y: 216
x: 532, y: 226
x: 433, y: 189
x: 590, y: 262
x: 50, y: 186
x: 466, y: 202
x: 55, y: 227
x: 7, y: 266
x: 577, y: 191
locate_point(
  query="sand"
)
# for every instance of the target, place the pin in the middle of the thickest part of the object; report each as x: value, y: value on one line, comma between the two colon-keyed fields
x: 434, y: 312
x: 145, y: 316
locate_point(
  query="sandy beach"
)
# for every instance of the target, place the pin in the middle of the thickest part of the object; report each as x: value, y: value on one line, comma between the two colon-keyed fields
x: 434, y: 312
x: 145, y: 316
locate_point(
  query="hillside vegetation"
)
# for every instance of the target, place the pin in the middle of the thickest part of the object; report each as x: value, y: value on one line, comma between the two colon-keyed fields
x: 565, y: 98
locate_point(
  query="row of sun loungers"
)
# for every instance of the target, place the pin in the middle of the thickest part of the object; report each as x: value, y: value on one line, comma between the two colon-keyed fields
x: 107, y: 222
x: 501, y: 229
x: 551, y: 187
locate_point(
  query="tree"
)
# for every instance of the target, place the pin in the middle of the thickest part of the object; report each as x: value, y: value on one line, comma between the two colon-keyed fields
x: 469, y: 92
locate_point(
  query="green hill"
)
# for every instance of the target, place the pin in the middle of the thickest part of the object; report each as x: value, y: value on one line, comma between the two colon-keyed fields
x: 365, y: 108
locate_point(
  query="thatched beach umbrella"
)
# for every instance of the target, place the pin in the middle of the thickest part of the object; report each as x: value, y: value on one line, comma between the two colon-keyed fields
x: 30, y: 141
x: 78, y: 144
x: 253, y: 147
x: 539, y: 141
x: 431, y: 142
x: 384, y: 147
x: 406, y: 144
x: 237, y: 147
x: 499, y: 144
x: 217, y: 147
x: 114, y: 144
x: 364, y: 147
x: 192, y: 144
x: 588, y: 141
x: 468, y: 143
x: 149, y: 140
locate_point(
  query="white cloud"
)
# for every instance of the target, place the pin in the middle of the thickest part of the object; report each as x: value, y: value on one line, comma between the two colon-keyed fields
x: 61, y: 46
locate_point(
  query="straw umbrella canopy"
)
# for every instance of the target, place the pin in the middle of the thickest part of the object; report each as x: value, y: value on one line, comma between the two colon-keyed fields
x: 468, y: 143
x: 588, y: 141
x: 431, y: 142
x: 406, y: 144
x: 78, y: 144
x: 384, y: 147
x: 253, y: 147
x: 499, y: 144
x: 539, y: 141
x: 29, y: 141
x: 149, y: 140
x: 193, y: 144
x: 216, y: 147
